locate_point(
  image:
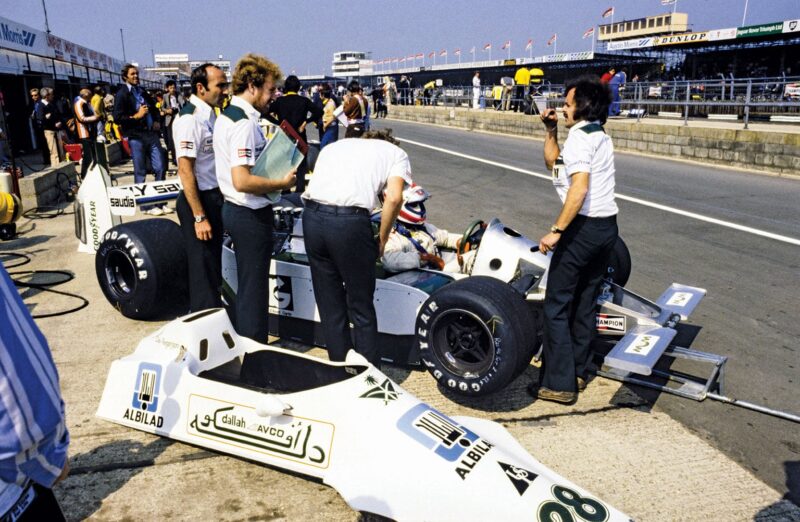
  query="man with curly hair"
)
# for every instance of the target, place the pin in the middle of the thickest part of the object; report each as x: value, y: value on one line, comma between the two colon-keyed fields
x: 247, y: 212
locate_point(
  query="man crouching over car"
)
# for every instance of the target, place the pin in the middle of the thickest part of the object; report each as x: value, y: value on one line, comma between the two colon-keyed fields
x: 348, y: 177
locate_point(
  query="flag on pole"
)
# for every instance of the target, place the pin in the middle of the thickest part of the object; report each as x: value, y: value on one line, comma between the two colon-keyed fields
x: 432, y: 54
x: 443, y: 52
x: 487, y: 46
x: 473, y: 50
x: 589, y: 32
x: 552, y: 39
x: 457, y: 52
x: 403, y: 59
x: 667, y: 2
x: 608, y: 12
x: 506, y: 45
x: 530, y: 44
x: 420, y: 55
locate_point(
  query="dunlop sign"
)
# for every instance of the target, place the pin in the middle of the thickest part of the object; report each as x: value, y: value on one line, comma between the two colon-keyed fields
x: 685, y: 38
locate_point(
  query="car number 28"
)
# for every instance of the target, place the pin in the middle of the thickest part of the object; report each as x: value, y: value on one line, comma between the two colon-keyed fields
x: 569, y: 504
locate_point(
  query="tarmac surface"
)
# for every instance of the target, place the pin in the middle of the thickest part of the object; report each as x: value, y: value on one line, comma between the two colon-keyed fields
x: 612, y: 441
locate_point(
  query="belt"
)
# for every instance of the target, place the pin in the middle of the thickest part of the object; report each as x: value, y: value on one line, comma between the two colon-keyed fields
x: 335, y: 209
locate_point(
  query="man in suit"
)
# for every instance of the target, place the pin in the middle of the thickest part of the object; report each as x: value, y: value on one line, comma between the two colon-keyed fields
x: 37, y: 120
x: 137, y: 116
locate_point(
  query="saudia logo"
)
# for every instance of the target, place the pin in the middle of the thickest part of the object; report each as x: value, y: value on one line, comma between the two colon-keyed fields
x: 25, y: 38
x: 145, y: 397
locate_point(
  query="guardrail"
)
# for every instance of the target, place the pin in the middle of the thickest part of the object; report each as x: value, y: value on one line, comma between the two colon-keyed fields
x: 771, y: 99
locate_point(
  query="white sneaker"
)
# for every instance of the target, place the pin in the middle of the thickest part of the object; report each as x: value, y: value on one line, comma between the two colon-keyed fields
x: 155, y: 211
x: 167, y: 210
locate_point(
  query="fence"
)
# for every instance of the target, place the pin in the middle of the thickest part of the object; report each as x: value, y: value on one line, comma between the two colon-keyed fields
x: 745, y: 99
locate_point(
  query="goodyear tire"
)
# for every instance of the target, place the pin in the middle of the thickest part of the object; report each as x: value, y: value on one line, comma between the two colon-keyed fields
x: 141, y: 268
x: 471, y: 335
x: 619, y: 263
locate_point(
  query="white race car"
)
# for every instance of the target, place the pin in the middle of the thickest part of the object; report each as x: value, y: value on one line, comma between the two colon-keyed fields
x: 474, y: 331
x: 195, y: 380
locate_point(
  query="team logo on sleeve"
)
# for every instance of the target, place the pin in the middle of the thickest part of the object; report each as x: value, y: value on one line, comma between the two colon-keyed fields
x: 245, y: 153
x: 188, y: 145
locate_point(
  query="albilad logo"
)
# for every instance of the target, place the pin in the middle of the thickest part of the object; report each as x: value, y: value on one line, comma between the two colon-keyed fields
x: 17, y: 36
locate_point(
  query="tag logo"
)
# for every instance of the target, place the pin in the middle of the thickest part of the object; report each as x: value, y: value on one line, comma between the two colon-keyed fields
x: 679, y: 299
x: 245, y: 153
x: 519, y: 477
x: 145, y: 394
x: 642, y: 345
x: 188, y: 145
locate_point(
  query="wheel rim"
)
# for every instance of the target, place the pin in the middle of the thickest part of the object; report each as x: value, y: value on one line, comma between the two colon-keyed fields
x: 120, y: 274
x: 463, y: 343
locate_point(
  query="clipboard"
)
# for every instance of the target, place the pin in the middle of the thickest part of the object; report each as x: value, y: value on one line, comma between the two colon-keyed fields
x: 284, y: 153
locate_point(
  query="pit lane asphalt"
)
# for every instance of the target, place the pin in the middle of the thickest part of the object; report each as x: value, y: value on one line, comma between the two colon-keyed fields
x: 750, y: 311
x: 612, y: 441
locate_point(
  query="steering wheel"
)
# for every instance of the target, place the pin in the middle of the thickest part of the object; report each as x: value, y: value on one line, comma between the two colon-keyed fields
x: 470, y: 240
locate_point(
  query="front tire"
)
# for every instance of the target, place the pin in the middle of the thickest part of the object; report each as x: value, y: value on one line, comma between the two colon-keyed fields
x: 141, y: 268
x: 472, y: 335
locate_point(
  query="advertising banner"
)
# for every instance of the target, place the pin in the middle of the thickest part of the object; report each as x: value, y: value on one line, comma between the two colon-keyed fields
x: 20, y: 37
x: 679, y: 39
x: 791, y: 26
x: 636, y: 43
x: 722, y: 34
x: 759, y: 30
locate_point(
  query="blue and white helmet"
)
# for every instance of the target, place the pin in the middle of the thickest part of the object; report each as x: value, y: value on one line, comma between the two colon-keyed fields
x: 413, y: 210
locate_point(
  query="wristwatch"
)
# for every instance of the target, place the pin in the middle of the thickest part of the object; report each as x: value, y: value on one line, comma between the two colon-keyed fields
x: 554, y: 229
x: 199, y: 219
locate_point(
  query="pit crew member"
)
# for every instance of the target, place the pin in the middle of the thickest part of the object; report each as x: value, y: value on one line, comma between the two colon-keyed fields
x: 581, y: 237
x: 199, y: 204
x: 247, y: 212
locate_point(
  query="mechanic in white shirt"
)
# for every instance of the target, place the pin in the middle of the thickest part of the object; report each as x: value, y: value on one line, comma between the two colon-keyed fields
x: 414, y: 243
x: 581, y: 238
x: 247, y: 212
x: 199, y: 204
x: 341, y: 248
x: 476, y: 90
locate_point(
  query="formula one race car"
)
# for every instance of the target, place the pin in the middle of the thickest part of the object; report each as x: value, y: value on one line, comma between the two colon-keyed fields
x: 196, y: 381
x: 475, y: 328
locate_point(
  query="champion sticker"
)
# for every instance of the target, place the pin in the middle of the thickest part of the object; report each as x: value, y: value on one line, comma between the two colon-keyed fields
x: 245, y: 153
x: 610, y: 323
x: 679, y: 299
x: 188, y: 145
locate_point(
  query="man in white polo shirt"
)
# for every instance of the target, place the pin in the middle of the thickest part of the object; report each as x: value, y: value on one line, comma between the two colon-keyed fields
x: 342, y: 251
x: 199, y: 204
x: 247, y: 213
x: 581, y: 237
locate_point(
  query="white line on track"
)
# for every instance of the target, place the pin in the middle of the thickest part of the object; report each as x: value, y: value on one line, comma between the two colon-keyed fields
x: 665, y: 208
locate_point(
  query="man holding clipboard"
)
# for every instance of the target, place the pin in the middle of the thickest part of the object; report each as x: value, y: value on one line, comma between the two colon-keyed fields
x: 247, y: 211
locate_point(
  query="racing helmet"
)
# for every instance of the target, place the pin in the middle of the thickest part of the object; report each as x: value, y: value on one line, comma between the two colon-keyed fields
x: 413, y: 210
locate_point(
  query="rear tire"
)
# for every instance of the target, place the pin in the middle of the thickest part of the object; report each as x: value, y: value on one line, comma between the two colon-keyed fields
x: 141, y: 268
x: 619, y: 263
x: 472, y: 335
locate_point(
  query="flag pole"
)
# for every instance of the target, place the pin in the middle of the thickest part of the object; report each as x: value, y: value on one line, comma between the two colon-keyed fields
x: 744, y: 15
x: 593, y: 41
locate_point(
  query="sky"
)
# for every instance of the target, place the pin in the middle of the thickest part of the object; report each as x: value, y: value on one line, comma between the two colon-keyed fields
x: 301, y: 36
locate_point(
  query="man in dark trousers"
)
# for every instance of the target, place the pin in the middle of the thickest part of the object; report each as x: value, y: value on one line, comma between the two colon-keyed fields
x: 200, y: 202
x: 581, y: 237
x: 136, y: 114
x: 37, y: 121
x: 298, y: 111
x: 170, y: 108
x: 341, y: 248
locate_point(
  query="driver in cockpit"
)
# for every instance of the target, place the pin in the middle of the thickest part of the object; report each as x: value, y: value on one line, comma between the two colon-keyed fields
x: 415, y: 243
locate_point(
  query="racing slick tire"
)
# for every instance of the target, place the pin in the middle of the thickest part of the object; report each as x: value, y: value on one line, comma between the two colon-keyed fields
x: 471, y: 335
x: 141, y: 268
x: 619, y: 263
